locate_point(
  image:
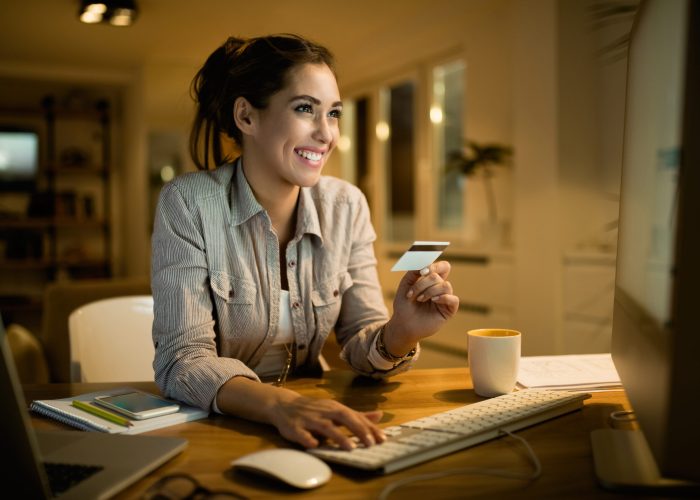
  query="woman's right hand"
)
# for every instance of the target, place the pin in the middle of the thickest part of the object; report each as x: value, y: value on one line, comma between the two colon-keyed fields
x: 303, y: 420
x: 309, y: 421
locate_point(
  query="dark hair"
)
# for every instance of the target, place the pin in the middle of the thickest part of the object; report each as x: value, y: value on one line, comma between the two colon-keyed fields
x: 254, y: 68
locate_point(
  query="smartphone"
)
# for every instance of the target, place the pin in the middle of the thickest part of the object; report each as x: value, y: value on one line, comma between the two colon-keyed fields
x: 138, y: 405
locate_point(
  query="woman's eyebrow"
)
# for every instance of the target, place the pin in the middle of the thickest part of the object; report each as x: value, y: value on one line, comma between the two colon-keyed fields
x: 305, y: 97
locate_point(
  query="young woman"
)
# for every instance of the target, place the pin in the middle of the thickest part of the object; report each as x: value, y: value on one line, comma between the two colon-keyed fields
x: 257, y: 257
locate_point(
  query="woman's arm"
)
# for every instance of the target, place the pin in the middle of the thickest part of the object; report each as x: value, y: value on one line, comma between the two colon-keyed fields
x: 187, y: 366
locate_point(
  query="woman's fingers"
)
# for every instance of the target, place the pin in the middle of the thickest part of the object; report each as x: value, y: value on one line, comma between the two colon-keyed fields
x: 330, y: 430
x: 298, y: 434
x: 305, y: 420
x: 441, y: 267
x: 434, y: 290
x: 363, y: 427
x: 429, y: 286
x: 432, y: 277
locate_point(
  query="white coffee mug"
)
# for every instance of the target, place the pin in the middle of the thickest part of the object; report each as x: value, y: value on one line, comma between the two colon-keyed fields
x: 494, y: 359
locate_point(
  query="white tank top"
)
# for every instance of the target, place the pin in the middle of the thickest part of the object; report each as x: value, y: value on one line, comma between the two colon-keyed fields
x: 275, y: 358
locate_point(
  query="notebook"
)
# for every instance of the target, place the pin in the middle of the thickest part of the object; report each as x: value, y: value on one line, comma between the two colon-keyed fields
x: 64, y: 411
x: 108, y: 463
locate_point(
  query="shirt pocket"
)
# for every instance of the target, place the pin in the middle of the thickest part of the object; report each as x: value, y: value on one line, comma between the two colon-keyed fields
x: 231, y: 290
x: 234, y: 301
x: 326, y: 299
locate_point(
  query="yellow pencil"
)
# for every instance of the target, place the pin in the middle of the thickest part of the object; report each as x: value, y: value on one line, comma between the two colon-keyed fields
x: 102, y: 413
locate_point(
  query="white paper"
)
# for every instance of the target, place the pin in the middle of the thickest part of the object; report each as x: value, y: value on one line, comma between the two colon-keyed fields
x: 570, y: 371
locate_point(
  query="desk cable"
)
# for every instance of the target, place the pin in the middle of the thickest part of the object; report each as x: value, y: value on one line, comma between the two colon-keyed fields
x: 391, y: 487
x: 388, y: 489
x: 622, y: 416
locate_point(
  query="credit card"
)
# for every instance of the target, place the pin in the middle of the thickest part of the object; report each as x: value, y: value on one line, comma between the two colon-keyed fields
x: 420, y: 255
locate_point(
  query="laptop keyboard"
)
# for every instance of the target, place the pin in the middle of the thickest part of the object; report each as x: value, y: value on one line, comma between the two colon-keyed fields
x: 63, y: 476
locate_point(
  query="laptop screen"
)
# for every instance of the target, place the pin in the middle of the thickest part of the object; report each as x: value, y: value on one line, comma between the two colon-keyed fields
x: 27, y: 474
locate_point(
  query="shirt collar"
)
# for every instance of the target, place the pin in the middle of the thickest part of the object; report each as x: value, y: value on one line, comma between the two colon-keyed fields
x: 243, y: 202
x: 247, y: 205
x: 307, y: 215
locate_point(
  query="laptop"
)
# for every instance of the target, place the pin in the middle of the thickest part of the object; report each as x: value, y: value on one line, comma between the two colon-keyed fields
x: 84, y: 465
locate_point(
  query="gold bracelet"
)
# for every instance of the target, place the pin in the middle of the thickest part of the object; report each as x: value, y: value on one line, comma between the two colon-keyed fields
x: 384, y: 353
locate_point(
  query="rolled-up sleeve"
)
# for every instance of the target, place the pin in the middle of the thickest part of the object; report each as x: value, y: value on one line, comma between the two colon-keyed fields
x: 186, y: 364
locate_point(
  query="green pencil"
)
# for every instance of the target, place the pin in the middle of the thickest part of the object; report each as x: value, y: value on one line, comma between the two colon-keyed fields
x: 101, y: 413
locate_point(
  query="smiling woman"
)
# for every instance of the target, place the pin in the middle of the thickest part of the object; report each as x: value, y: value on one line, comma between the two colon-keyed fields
x: 258, y: 257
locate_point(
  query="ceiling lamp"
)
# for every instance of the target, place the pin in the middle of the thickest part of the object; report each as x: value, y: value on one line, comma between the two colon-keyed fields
x: 114, y: 12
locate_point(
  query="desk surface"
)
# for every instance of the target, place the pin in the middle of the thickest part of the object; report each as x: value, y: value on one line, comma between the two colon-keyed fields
x: 562, y: 444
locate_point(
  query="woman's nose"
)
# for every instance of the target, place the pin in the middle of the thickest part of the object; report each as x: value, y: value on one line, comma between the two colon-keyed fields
x: 324, y: 130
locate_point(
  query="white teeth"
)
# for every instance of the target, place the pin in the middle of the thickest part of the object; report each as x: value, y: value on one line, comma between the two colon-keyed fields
x: 309, y: 155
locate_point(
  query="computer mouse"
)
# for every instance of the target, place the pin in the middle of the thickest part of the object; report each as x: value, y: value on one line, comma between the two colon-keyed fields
x: 293, y: 467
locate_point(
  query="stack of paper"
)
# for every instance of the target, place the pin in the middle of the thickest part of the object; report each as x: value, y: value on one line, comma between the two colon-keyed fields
x: 586, y: 372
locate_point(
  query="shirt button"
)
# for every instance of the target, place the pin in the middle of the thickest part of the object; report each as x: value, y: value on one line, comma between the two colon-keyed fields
x: 295, y: 305
x: 230, y: 294
x: 292, y: 263
x: 336, y: 293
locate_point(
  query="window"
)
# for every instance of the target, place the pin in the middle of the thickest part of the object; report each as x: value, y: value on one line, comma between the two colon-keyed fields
x: 446, y: 110
x: 395, y: 132
x: 397, y: 138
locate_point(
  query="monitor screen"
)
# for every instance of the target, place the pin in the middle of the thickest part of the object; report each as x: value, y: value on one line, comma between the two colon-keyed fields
x: 19, y: 157
x: 656, y: 333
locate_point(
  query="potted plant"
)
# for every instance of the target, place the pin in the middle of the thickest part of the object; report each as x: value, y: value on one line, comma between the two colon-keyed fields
x: 480, y: 159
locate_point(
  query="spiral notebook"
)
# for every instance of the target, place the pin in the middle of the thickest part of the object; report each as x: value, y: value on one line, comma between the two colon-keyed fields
x: 64, y: 411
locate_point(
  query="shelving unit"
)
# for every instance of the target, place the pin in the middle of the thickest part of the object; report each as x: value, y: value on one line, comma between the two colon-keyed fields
x: 62, y: 228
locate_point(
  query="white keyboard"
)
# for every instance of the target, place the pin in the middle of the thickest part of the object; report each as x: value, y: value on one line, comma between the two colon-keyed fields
x: 442, y: 433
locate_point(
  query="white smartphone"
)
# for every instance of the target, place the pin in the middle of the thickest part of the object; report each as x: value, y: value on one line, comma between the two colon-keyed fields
x: 138, y: 405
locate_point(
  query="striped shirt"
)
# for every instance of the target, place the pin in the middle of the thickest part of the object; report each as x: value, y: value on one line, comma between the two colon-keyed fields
x: 216, y: 281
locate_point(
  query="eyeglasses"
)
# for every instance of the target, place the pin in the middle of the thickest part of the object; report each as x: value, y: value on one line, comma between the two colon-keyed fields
x: 186, y: 487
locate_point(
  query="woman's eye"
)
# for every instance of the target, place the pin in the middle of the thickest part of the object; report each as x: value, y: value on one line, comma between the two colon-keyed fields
x: 305, y: 108
x: 336, y: 113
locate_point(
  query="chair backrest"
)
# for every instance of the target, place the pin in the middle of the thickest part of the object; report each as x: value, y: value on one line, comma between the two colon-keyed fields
x: 62, y: 298
x: 110, y: 340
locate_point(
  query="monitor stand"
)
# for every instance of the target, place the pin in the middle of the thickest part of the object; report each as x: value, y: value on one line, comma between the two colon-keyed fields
x: 624, y: 463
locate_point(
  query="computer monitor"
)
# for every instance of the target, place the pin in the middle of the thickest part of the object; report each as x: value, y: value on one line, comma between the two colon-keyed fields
x: 19, y: 158
x: 656, y: 318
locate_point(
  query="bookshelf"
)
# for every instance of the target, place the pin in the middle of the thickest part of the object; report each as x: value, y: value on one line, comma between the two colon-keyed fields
x: 57, y: 226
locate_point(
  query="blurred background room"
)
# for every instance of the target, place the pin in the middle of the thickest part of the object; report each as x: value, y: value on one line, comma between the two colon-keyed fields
x: 493, y: 124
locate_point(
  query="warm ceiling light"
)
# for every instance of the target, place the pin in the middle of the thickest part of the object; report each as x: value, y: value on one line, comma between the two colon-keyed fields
x: 114, y: 12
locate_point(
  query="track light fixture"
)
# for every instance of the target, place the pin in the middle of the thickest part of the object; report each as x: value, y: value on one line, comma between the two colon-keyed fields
x: 114, y: 12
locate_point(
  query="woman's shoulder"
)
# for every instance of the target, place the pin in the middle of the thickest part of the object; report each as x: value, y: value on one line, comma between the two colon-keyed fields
x: 204, y: 182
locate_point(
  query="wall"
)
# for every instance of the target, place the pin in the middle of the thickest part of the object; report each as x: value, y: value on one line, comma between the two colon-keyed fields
x: 530, y: 83
x: 537, y: 299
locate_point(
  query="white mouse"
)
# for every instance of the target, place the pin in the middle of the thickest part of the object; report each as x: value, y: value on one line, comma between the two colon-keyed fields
x: 293, y: 467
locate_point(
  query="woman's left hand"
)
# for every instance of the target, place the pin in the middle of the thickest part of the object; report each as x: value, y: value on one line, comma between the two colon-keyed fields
x: 424, y: 302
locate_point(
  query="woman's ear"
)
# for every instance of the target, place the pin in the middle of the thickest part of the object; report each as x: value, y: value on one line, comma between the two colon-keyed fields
x: 243, y: 114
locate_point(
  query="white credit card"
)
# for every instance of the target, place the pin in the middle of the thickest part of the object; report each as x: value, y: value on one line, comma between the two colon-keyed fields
x: 420, y: 255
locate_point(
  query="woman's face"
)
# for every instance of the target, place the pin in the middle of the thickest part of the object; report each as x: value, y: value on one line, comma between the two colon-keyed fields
x: 297, y: 131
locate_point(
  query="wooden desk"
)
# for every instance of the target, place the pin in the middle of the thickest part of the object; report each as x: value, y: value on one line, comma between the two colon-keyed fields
x: 562, y: 444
